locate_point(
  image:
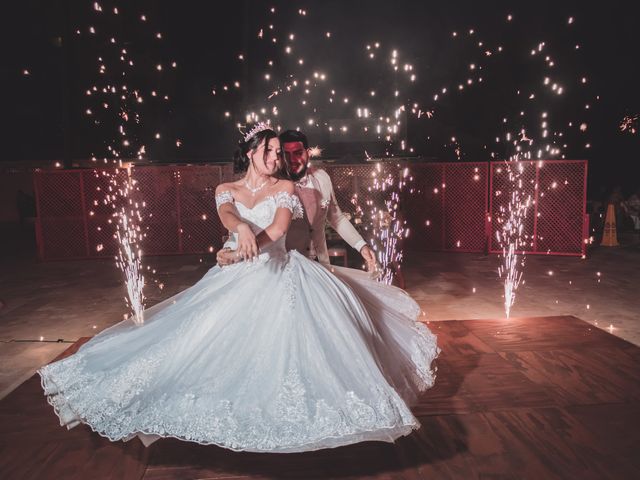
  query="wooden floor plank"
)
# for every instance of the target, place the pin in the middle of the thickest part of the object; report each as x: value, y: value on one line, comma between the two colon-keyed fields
x: 549, y: 333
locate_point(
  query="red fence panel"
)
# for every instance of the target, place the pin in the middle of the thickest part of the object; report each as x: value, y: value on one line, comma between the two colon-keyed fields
x: 465, y: 204
x: 349, y: 180
x: 179, y: 215
x: 425, y: 208
x: 444, y: 205
x: 99, y: 214
x: 201, y: 230
x: 555, y: 222
x: 561, y: 208
x: 61, y: 222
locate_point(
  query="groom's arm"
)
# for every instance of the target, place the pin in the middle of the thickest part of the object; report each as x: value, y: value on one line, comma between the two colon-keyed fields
x: 336, y: 218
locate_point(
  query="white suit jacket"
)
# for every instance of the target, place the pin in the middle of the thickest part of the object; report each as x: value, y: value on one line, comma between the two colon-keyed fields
x: 307, y: 235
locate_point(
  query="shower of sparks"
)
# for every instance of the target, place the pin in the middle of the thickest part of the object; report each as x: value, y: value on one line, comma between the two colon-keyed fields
x: 129, y: 258
x: 119, y: 196
x: 307, y: 94
x: 522, y: 145
x: 629, y: 124
x: 292, y: 77
x: 385, y: 228
x: 315, y: 152
x: 511, y: 236
x: 116, y: 101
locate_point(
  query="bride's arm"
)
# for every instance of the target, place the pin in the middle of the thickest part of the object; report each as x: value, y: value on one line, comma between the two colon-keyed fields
x: 282, y: 219
x: 227, y: 211
x: 231, y: 219
x: 277, y: 229
x: 272, y: 233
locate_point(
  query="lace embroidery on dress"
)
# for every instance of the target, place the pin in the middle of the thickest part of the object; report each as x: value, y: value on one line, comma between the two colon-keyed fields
x: 223, y: 197
x: 292, y: 202
x: 290, y: 283
x: 423, y: 350
x: 294, y: 419
x: 291, y: 404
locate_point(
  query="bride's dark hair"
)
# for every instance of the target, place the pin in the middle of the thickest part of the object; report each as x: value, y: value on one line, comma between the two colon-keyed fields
x: 241, y: 159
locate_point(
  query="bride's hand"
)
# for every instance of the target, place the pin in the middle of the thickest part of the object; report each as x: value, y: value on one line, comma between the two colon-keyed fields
x: 247, y: 244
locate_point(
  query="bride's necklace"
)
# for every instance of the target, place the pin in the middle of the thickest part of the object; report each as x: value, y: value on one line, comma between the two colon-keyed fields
x: 255, y: 190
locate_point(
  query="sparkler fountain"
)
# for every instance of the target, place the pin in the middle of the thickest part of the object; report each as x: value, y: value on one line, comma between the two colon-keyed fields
x: 511, y: 234
x: 116, y: 101
x: 129, y: 258
x: 387, y: 228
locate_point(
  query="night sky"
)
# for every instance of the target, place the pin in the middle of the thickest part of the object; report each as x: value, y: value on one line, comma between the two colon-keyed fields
x: 46, y: 116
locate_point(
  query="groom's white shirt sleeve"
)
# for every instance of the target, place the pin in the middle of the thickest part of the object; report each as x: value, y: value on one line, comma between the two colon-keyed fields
x: 336, y: 218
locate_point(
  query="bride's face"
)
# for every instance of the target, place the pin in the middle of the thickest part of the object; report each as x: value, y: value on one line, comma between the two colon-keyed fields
x: 266, y: 159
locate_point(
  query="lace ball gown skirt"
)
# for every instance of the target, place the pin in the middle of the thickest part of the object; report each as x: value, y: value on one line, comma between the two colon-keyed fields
x: 274, y: 355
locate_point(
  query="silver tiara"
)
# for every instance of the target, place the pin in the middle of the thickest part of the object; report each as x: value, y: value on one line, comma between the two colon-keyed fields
x: 259, y: 127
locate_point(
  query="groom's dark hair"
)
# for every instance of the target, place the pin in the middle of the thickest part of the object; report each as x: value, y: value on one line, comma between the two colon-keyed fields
x: 290, y: 136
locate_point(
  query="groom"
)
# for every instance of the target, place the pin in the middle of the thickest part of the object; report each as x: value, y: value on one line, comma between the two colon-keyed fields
x: 314, y: 188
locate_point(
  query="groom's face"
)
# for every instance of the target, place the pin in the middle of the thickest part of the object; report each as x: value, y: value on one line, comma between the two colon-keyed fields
x: 297, y: 156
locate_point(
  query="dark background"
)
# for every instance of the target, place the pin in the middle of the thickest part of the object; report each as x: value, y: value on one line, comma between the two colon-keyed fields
x: 45, y: 110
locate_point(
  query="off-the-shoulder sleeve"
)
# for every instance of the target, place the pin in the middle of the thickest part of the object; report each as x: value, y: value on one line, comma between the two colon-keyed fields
x: 223, y: 197
x: 292, y: 202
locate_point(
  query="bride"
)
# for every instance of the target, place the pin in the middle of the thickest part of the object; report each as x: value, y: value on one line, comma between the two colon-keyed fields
x: 273, y: 353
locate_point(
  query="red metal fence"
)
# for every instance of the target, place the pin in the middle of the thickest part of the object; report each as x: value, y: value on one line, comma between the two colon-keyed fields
x: 444, y: 204
x: 557, y: 222
x: 450, y: 208
x: 179, y: 216
x: 447, y: 206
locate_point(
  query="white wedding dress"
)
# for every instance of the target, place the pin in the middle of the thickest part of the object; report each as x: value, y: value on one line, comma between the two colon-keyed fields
x: 274, y: 355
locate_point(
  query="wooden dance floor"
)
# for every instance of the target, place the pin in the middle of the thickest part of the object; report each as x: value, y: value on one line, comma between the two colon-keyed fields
x: 538, y: 398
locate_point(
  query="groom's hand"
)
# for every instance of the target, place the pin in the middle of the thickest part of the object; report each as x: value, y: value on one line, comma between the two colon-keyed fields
x: 225, y: 256
x: 369, y: 257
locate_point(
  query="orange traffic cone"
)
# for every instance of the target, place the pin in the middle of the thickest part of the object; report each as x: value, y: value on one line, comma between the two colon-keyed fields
x: 609, y: 236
